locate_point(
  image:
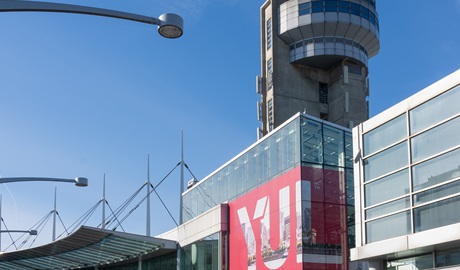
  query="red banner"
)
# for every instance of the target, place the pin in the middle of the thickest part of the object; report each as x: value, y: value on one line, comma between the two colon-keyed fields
x: 294, y: 221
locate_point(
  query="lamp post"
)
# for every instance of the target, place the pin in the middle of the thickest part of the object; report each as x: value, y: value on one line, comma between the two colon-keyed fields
x: 169, y: 25
x: 31, y: 232
x: 78, y: 181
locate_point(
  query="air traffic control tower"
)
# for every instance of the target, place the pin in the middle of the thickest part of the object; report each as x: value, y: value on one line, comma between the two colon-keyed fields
x: 314, y: 58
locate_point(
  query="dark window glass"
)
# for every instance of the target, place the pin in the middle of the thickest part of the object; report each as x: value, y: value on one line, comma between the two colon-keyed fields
x: 319, y: 40
x: 305, y: 5
x: 317, y: 9
x: 355, y: 12
x: 372, y: 17
x: 304, y: 11
x: 304, y: 8
x: 323, y: 93
x: 343, y: 4
x: 317, y: 3
x: 448, y: 258
x: 355, y: 9
x: 344, y: 9
x: 317, y: 6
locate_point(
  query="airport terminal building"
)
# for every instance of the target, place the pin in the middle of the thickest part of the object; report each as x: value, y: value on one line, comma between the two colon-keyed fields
x: 407, y: 182
x: 286, y: 202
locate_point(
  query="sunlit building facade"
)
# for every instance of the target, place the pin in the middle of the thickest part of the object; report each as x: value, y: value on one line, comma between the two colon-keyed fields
x: 407, y: 182
x: 286, y: 202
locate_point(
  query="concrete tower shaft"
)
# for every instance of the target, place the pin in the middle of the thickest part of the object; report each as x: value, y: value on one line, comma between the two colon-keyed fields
x: 314, y: 59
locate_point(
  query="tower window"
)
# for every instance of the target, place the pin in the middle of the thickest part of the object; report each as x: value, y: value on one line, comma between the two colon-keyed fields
x: 323, y: 93
x: 269, y: 34
x: 354, y: 70
x: 270, y: 66
x: 270, y: 115
x: 270, y: 72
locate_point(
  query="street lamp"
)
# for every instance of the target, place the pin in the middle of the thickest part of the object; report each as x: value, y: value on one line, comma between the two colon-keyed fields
x: 79, y: 181
x: 169, y: 25
x: 31, y: 232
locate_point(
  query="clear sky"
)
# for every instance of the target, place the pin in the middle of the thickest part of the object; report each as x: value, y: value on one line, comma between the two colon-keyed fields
x: 86, y: 95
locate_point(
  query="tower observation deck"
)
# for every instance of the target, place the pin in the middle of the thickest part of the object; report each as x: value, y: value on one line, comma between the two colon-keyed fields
x: 314, y: 58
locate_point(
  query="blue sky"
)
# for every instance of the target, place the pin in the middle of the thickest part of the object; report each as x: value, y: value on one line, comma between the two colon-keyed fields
x: 86, y: 95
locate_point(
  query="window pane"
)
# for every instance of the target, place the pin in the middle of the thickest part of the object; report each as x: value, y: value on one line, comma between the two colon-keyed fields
x: 387, y: 134
x: 262, y: 162
x: 252, y: 168
x: 388, y: 208
x: 386, y: 161
x: 435, y: 110
x: 348, y: 150
x: 223, y: 185
x: 275, y: 154
x: 388, y: 227
x: 437, y: 214
x: 437, y: 193
x: 387, y: 188
x: 312, y: 141
x: 290, y: 156
x: 241, y: 173
x: 436, y: 140
x: 232, y: 180
x: 419, y: 263
x: 215, y: 189
x: 448, y: 257
x: 350, y: 186
x: 333, y: 146
x: 437, y: 170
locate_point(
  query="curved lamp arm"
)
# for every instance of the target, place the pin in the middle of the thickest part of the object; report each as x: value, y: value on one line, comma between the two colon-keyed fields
x: 31, y: 232
x: 169, y: 25
x: 79, y: 181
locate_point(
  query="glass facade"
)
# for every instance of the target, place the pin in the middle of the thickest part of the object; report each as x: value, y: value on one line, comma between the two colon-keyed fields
x: 440, y: 258
x: 265, y: 160
x: 411, y: 170
x: 164, y: 262
x: 319, y: 6
x: 328, y: 12
x: 306, y: 159
x: 327, y: 45
x: 202, y: 254
x: 318, y: 143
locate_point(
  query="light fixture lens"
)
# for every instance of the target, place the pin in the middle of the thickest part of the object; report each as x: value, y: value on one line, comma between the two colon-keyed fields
x: 170, y: 31
x: 81, y: 182
x: 170, y: 25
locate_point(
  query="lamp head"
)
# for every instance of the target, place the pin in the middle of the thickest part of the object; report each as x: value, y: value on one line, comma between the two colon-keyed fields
x: 171, y: 25
x: 33, y: 232
x: 81, y: 182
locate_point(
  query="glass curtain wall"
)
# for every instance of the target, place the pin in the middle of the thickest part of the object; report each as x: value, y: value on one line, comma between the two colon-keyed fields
x: 441, y: 258
x: 202, y: 255
x: 327, y: 189
x: 411, y: 170
x: 273, y: 155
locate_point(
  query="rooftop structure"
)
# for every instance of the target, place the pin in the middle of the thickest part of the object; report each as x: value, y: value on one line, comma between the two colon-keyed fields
x: 314, y: 60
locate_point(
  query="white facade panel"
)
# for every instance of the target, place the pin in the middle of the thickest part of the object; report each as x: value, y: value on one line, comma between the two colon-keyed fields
x: 430, y: 201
